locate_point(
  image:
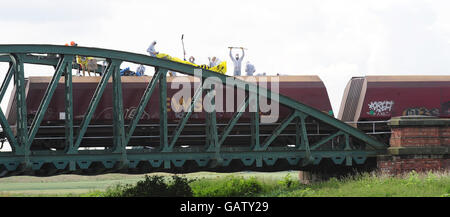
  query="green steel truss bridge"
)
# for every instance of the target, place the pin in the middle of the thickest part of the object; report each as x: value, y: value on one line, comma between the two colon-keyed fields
x: 338, y: 144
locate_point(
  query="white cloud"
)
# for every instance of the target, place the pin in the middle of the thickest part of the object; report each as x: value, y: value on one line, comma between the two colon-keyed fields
x: 333, y: 39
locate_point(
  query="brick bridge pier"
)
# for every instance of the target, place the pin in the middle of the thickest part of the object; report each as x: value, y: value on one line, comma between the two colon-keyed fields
x: 419, y: 143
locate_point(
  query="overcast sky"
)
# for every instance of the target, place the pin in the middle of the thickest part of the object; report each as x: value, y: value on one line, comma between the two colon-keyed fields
x: 334, y: 39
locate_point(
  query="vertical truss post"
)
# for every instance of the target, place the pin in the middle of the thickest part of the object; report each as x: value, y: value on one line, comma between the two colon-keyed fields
x: 163, y: 131
x: 254, y: 106
x: 347, y: 143
x: 305, y: 141
x: 93, y: 105
x: 207, y: 123
x: 119, y: 135
x: 46, y: 100
x: 298, y: 133
x: 21, y: 106
x: 118, y: 117
x: 68, y: 105
x: 211, y: 126
x: 207, y: 131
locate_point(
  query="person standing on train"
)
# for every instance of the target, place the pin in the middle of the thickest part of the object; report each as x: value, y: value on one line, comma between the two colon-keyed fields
x: 151, y: 49
x: 237, y: 62
x: 249, y: 69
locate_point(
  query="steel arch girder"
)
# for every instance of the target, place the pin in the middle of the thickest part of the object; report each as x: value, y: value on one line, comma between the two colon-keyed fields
x: 189, y: 70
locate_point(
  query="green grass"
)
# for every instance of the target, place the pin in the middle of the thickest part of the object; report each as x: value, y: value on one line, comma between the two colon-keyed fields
x: 243, y: 184
x: 374, y: 185
x: 76, y: 185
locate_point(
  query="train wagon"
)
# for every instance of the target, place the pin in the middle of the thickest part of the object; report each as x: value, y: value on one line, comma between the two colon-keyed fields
x: 369, y: 102
x: 309, y: 90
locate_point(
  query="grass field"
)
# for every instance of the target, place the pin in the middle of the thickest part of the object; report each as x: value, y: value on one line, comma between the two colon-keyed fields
x: 64, y: 185
x: 207, y: 184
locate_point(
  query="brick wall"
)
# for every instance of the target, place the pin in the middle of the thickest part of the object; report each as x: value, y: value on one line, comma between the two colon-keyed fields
x: 420, y: 136
x: 417, y: 143
x: 397, y: 165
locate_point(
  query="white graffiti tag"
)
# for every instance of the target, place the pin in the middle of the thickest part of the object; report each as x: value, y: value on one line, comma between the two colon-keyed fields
x: 381, y: 107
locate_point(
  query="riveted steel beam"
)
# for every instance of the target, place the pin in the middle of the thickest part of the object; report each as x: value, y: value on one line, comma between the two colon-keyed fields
x: 143, y: 103
x: 21, y: 106
x: 118, y: 116
x: 233, y: 121
x: 254, y: 112
x: 183, y: 122
x: 298, y: 133
x: 211, y: 132
x: 47, y: 98
x: 48, y: 61
x: 347, y: 142
x: 305, y: 141
x: 93, y: 104
x: 163, y: 131
x: 326, y: 139
x: 277, y: 131
x: 68, y: 96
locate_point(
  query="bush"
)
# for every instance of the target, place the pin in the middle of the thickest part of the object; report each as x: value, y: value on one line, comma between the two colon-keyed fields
x: 153, y: 186
x: 287, y: 182
x: 230, y: 186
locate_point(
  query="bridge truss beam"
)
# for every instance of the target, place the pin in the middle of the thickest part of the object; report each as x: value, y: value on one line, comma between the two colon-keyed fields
x: 265, y: 150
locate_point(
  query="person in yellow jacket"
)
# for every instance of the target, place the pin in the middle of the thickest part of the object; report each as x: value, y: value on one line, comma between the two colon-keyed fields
x: 83, y: 61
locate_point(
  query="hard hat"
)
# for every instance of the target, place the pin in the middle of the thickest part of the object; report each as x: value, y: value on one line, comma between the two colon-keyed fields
x: 72, y: 43
x: 67, y: 44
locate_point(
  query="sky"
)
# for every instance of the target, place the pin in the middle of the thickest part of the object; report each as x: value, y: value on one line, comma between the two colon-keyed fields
x: 336, y: 40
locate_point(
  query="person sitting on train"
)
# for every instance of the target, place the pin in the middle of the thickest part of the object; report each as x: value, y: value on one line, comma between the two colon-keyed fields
x: 192, y: 60
x: 83, y: 62
x: 172, y: 73
x: 92, y: 66
x: 151, y: 50
x: 214, y: 61
x: 249, y: 69
x: 140, y: 70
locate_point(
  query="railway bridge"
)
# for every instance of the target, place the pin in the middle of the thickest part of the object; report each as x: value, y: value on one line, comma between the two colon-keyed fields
x: 242, y: 142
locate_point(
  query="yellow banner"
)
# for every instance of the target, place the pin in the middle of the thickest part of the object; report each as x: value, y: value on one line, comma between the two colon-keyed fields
x: 221, y: 68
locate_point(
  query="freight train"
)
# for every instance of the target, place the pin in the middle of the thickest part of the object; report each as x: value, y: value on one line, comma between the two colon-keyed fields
x: 307, y: 89
x: 368, y: 103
